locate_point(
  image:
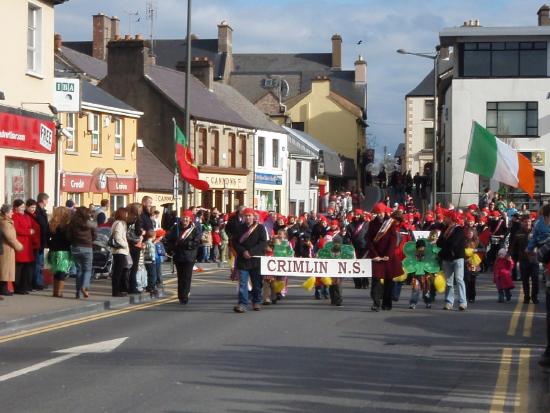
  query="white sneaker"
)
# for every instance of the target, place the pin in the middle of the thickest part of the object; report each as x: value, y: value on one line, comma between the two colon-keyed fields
x: 447, y: 307
x: 412, y: 306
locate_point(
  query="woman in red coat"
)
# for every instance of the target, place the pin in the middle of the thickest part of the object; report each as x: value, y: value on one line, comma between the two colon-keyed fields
x: 381, y: 244
x: 24, y: 259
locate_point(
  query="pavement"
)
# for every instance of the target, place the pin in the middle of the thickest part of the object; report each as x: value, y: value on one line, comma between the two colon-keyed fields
x: 300, y: 355
x: 39, y: 307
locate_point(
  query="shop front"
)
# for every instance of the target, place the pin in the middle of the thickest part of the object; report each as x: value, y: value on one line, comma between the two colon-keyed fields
x: 85, y: 189
x: 268, y: 192
x: 27, y: 154
x: 226, y: 192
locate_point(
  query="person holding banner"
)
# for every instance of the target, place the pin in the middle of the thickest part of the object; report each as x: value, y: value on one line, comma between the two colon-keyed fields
x: 356, y: 236
x: 381, y: 242
x: 249, y: 243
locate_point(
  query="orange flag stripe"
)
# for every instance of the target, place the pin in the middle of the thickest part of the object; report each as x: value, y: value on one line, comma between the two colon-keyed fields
x: 526, y: 175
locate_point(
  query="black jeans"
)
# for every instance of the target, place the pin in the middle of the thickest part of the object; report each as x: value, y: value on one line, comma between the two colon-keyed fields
x: 381, y: 293
x: 134, y: 253
x: 185, y: 273
x: 119, y: 280
x: 23, y: 277
x: 335, y: 292
x: 470, y: 281
x: 529, y: 273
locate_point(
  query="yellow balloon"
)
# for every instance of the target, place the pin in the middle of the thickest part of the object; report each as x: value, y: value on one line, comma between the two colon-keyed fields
x: 468, y: 252
x: 278, y: 286
x: 401, y: 278
x: 475, y: 260
x: 309, y: 283
x: 326, y: 281
x: 439, y: 283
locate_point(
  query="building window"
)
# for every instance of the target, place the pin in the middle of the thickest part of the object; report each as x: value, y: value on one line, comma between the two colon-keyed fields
x: 298, y: 172
x: 215, y: 149
x: 429, y: 109
x: 242, y: 151
x: 298, y: 126
x: 22, y: 179
x: 76, y: 197
x: 119, y: 141
x: 503, y: 59
x: 512, y: 118
x: 275, y: 153
x: 202, y: 155
x: 429, y: 138
x: 261, y: 151
x: 118, y: 201
x: 34, y: 39
x: 96, y: 135
x: 70, y: 142
x: 292, y: 208
x: 233, y: 150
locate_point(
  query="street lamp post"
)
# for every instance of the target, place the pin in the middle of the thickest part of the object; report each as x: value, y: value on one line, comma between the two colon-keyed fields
x: 435, y: 58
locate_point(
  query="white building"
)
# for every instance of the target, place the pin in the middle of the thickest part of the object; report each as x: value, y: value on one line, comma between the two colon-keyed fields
x: 500, y: 77
x: 270, y: 175
x: 419, y: 127
x: 27, y: 127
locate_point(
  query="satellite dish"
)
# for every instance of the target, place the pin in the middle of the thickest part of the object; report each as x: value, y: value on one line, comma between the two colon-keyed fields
x: 285, y: 88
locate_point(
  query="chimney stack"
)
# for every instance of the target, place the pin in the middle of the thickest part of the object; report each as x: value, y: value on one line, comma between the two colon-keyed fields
x: 203, y: 69
x: 57, y: 42
x: 336, y: 52
x: 544, y: 15
x: 128, y: 57
x: 360, y: 70
x: 225, y: 38
x: 105, y: 29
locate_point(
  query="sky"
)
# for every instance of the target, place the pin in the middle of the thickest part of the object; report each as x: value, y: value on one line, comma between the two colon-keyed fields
x: 292, y: 26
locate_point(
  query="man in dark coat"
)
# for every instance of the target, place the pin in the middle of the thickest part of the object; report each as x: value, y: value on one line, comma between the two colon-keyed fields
x: 41, y: 218
x: 249, y: 242
x: 356, y: 233
x: 381, y: 244
x: 451, y: 241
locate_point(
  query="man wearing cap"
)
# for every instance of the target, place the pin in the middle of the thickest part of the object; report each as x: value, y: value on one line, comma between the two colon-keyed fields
x: 356, y: 235
x: 249, y: 243
x: 451, y: 241
x: 381, y: 240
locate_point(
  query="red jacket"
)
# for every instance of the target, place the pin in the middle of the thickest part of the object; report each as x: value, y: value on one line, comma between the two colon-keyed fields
x: 23, y: 224
x: 502, y: 273
x: 216, y: 238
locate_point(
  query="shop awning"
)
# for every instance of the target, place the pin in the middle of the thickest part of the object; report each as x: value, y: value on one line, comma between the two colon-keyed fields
x: 332, y: 164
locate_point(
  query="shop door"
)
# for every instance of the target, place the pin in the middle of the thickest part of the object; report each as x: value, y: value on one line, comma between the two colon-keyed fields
x: 219, y: 201
x: 239, y: 198
x: 22, y: 179
x: 118, y: 201
x: 266, y: 201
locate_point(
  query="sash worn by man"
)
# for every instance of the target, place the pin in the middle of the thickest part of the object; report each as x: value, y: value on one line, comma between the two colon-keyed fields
x: 356, y: 236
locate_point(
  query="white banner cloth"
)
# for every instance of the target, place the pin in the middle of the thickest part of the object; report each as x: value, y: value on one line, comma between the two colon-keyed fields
x: 315, y: 267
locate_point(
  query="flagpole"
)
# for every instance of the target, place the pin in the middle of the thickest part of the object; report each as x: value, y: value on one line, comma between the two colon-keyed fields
x: 176, y: 188
x: 187, y: 76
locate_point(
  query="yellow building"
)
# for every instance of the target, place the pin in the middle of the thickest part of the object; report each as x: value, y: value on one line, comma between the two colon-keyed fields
x: 99, y: 160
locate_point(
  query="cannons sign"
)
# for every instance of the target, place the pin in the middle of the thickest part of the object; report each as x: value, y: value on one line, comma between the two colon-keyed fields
x: 315, y: 267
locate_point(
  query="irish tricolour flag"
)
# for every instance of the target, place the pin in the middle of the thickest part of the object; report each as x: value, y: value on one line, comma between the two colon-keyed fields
x: 488, y: 156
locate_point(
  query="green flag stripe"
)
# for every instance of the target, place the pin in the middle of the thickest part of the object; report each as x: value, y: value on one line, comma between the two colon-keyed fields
x: 180, y: 137
x: 482, y: 154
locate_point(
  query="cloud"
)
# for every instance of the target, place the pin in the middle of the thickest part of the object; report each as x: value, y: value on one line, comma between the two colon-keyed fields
x: 307, y: 25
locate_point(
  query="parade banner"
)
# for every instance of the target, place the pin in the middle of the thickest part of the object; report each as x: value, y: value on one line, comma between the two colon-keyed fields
x: 421, y: 234
x: 315, y: 267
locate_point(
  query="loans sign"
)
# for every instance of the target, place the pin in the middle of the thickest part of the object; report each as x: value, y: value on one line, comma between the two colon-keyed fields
x: 315, y: 267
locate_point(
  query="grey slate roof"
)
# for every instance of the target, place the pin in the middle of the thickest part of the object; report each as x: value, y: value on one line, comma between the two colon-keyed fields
x: 96, y: 95
x: 450, y: 35
x: 245, y: 108
x: 93, y: 67
x: 205, y: 104
x: 153, y: 174
x: 295, y: 149
x: 281, y: 62
x: 424, y: 88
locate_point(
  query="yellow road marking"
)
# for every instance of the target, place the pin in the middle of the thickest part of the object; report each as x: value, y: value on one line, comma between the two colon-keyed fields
x: 522, y: 404
x: 528, y: 323
x: 515, y: 319
x: 70, y: 323
x: 501, y: 388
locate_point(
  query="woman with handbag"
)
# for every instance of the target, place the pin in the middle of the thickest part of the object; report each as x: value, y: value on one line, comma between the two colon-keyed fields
x: 59, y: 255
x: 186, y: 240
x: 10, y: 246
x: 134, y: 235
x: 121, y: 253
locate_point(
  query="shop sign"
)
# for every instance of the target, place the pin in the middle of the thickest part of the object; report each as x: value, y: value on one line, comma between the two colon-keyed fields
x: 224, y: 181
x: 269, y: 179
x: 23, y: 132
x: 76, y: 183
x: 66, y: 95
x: 121, y: 185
